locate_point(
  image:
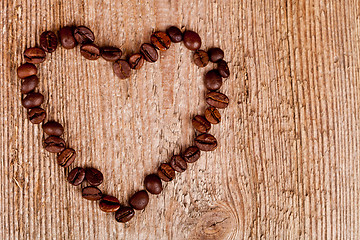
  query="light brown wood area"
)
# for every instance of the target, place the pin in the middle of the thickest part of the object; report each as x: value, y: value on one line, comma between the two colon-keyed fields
x: 287, y: 165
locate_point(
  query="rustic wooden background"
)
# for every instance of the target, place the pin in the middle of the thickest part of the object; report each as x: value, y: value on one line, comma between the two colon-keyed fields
x: 287, y: 166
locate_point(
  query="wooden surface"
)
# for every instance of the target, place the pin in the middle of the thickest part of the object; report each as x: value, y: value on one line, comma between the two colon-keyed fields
x: 287, y: 166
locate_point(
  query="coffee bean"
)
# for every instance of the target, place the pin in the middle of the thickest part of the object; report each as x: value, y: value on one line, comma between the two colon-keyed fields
x: 192, y: 40
x: 139, y: 200
x: 90, y: 51
x: 54, y: 144
x: 216, y: 99
x: 76, y: 176
x: 178, y: 163
x: 136, y: 61
x: 215, y: 54
x: 166, y: 172
x: 153, y: 184
x: 83, y: 35
x: 122, y: 69
x: 212, y: 115
x: 201, y: 58
x: 29, y: 84
x: 26, y: 70
x: 191, y: 154
x: 175, y: 34
x: 213, y: 80
x: 124, y: 214
x: 53, y: 128
x: 93, y: 176
x: 149, y: 52
x: 223, y: 69
x: 34, y: 55
x: 111, y: 54
x: 66, y: 157
x: 160, y: 40
x: 201, y: 124
x: 36, y: 115
x: 91, y: 193
x: 109, y: 204
x: 67, y: 39
x: 48, y: 41
x: 33, y: 99
x: 206, y: 142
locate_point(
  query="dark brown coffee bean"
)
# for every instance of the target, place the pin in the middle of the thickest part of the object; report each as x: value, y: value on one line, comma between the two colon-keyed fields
x: 90, y: 51
x: 213, y: 80
x: 76, y: 176
x: 178, y: 163
x: 201, y: 124
x: 67, y: 38
x: 91, y: 193
x: 66, y: 157
x: 122, y: 69
x: 192, y: 40
x: 149, y: 52
x: 83, y: 35
x: 139, y: 200
x: 160, y: 40
x: 53, y: 128
x: 215, y: 54
x: 191, y: 154
x: 223, y: 69
x: 109, y: 204
x: 124, y: 214
x: 36, y: 115
x: 175, y: 34
x: 153, y: 184
x: 212, y: 115
x: 29, y: 84
x: 206, y: 142
x: 54, y: 144
x: 33, y: 99
x: 166, y: 172
x: 48, y: 41
x: 93, y: 176
x: 201, y: 58
x: 216, y: 99
x: 34, y: 55
x: 26, y: 70
x: 111, y: 54
x: 136, y: 61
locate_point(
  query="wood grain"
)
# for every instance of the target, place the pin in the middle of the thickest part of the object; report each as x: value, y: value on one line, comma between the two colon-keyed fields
x: 287, y: 166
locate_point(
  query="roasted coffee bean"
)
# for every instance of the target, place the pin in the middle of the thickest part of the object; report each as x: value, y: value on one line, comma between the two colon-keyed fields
x: 66, y: 157
x: 36, y: 115
x: 153, y: 184
x: 223, y: 69
x: 33, y: 99
x: 149, y: 52
x: 124, y: 214
x: 29, y: 84
x: 136, y: 61
x: 201, y: 58
x: 212, y: 115
x: 53, y: 128
x: 166, y: 172
x: 139, y: 200
x: 26, y: 70
x: 216, y: 99
x: 91, y: 193
x: 93, y: 176
x: 160, y: 40
x: 90, y: 51
x: 83, y: 35
x: 111, y: 54
x: 213, y: 80
x: 122, y: 69
x: 192, y: 40
x: 206, y: 142
x: 175, y: 34
x: 67, y: 38
x: 178, y: 163
x: 76, y: 176
x: 34, y: 55
x: 48, y: 41
x: 54, y: 144
x: 109, y: 204
x: 215, y: 54
x: 201, y: 124
x: 191, y: 154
